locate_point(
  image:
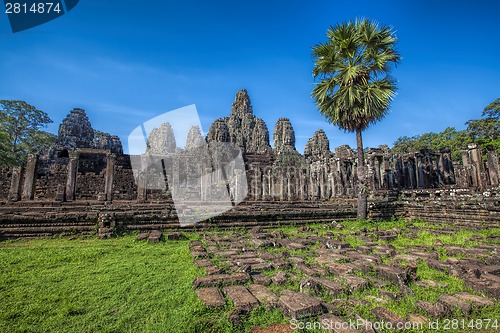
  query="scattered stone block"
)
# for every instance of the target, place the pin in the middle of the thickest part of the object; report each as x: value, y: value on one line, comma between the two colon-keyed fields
x: 220, y: 280
x: 265, y: 296
x: 199, y: 255
x: 388, y: 316
x: 337, y: 245
x: 299, y: 305
x: 212, y: 270
x: 453, y: 302
x: 435, y: 310
x: 211, y: 297
x: 197, y: 248
x: 234, y: 317
x: 354, y: 283
x: 477, y: 301
x: 279, y: 278
x: 391, y: 273
x: 334, y: 267
x: 194, y: 243
x: 175, y: 236
x: 389, y: 295
x: 155, y: 236
x: 261, y: 279
x: 430, y: 284
x: 439, y: 265
x: 142, y: 236
x: 418, y: 318
x: 330, y: 308
x: 242, y: 299
x: 226, y: 253
x: 388, y: 238
x: 267, y: 256
x: 202, y: 263
x: 261, y: 267
x: 274, y: 328
x: 279, y: 263
x: 330, y: 286
x: 297, y: 260
x: 488, y: 284
x: 260, y: 243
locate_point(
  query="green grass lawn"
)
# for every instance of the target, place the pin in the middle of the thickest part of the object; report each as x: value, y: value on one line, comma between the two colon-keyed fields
x: 122, y: 285
x: 91, y: 285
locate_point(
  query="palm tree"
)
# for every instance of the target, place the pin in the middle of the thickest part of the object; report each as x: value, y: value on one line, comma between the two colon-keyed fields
x: 356, y: 89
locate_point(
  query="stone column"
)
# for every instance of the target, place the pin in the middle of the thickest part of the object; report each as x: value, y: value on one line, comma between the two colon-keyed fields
x: 283, y: 185
x: 493, y: 168
x: 477, y: 161
x: 71, y: 177
x: 142, y: 178
x: 15, y: 184
x: 108, y: 185
x: 420, y: 171
x: 29, y: 178
x: 377, y: 173
x: 301, y: 191
x: 265, y: 184
x: 447, y: 166
x: 257, y: 184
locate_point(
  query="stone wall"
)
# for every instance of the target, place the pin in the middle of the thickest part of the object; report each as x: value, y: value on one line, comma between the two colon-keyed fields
x: 5, y: 182
x: 51, y: 177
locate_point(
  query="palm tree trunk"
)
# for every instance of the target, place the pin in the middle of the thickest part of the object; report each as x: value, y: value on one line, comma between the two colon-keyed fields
x: 362, y: 195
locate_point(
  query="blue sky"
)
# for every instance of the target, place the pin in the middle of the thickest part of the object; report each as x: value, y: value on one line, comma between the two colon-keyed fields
x: 125, y: 62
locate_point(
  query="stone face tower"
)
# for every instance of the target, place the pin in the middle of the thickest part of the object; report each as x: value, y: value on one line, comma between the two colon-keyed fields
x: 218, y: 132
x: 194, y: 139
x: 284, y: 136
x: 317, y: 147
x: 241, y: 128
x: 161, y: 140
x: 75, y: 131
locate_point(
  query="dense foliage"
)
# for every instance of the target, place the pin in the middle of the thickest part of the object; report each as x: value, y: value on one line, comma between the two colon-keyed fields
x: 484, y: 131
x: 20, y: 133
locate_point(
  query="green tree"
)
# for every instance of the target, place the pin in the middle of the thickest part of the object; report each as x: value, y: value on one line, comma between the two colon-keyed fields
x: 6, y: 158
x: 486, y: 131
x: 21, y: 122
x: 405, y: 145
x: 356, y: 89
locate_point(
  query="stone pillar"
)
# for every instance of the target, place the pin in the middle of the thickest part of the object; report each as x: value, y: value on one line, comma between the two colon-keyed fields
x: 257, y: 190
x: 15, y: 184
x: 377, y: 174
x: 29, y: 178
x: 477, y: 161
x: 71, y: 177
x: 447, y: 166
x: 420, y: 170
x: 493, y: 168
x: 61, y: 193
x: 302, y: 187
x: 265, y: 185
x: 110, y: 173
x: 142, y: 178
x: 272, y: 185
x: 283, y: 185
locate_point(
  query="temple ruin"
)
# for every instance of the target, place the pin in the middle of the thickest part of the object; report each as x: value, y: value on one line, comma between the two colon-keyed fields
x: 88, y: 166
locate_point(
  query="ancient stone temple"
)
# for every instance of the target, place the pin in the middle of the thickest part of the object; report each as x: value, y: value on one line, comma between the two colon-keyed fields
x: 89, y: 166
x: 86, y: 164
